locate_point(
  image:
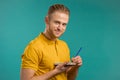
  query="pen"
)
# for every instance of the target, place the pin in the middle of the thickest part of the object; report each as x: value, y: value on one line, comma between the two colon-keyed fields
x: 78, y: 51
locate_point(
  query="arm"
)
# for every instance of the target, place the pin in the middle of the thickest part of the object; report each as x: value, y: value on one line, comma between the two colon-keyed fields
x: 28, y: 74
x: 73, y: 71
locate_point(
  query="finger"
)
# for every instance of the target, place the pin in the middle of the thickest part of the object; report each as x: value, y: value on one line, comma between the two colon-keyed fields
x: 77, y: 57
x: 80, y: 64
x: 78, y: 61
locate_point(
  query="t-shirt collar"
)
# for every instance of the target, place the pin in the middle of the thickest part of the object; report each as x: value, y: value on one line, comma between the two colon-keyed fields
x: 47, y: 40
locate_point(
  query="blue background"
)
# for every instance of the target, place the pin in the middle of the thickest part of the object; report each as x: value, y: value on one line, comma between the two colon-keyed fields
x: 94, y: 25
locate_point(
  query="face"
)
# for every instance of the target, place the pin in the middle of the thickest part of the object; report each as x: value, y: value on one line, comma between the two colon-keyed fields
x: 56, y: 24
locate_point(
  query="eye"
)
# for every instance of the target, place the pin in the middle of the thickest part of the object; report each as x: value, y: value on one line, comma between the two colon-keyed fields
x: 64, y: 24
x: 57, y: 22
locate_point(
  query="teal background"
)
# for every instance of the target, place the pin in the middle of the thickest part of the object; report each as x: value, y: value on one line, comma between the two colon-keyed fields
x: 94, y: 25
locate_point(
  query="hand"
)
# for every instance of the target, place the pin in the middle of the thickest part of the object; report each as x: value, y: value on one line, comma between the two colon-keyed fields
x: 77, y: 60
x: 61, y: 67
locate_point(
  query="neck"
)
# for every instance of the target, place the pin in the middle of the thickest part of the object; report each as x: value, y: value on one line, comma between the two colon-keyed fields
x: 48, y: 36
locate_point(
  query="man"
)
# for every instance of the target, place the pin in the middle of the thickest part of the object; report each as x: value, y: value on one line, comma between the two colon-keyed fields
x: 40, y: 56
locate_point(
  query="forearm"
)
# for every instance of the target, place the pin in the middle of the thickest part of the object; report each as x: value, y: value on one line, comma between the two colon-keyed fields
x: 72, y: 74
x: 73, y: 71
x: 45, y: 76
x: 28, y: 74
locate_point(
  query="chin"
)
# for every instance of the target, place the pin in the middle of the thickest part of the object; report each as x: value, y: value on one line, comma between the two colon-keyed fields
x: 57, y: 36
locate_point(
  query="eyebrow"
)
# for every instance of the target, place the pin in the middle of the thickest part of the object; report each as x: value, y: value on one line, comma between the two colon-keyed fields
x: 59, y: 22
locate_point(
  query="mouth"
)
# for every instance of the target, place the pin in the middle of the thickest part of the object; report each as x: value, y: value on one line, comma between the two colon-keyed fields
x: 57, y: 32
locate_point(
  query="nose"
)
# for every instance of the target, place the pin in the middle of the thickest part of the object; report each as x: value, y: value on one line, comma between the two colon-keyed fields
x: 59, y: 27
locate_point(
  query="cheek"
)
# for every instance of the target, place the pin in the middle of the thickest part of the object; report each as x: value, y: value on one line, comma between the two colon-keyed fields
x: 52, y: 26
x: 64, y: 28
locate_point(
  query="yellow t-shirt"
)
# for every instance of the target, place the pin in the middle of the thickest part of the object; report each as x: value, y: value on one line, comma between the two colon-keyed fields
x: 41, y: 54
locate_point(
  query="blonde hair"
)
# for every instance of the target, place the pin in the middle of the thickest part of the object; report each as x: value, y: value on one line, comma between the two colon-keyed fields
x: 58, y: 7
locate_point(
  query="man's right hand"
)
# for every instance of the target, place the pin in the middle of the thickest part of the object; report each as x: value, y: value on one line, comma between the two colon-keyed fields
x: 61, y: 67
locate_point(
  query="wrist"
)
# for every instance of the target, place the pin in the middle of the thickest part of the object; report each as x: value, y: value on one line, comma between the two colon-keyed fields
x: 56, y: 71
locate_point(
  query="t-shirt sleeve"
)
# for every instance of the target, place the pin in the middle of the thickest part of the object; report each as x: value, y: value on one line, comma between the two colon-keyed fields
x: 30, y: 58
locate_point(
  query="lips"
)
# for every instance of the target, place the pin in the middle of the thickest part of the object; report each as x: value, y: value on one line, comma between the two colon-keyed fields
x: 57, y: 32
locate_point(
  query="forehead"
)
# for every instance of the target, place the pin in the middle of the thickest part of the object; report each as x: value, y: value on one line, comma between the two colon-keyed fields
x: 60, y: 16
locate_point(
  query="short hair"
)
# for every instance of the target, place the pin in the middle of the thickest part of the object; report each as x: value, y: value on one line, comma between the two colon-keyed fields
x: 58, y: 7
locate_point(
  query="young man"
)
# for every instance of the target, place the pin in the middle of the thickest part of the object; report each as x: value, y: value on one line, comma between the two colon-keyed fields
x: 40, y: 56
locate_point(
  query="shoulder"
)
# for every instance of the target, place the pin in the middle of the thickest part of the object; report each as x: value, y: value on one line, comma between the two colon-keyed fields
x: 33, y: 49
x: 35, y: 44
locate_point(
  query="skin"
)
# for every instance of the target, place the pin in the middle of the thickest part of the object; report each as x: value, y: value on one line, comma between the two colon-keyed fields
x: 55, y: 27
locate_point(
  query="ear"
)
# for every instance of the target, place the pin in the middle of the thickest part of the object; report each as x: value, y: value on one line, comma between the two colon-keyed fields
x: 46, y: 20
